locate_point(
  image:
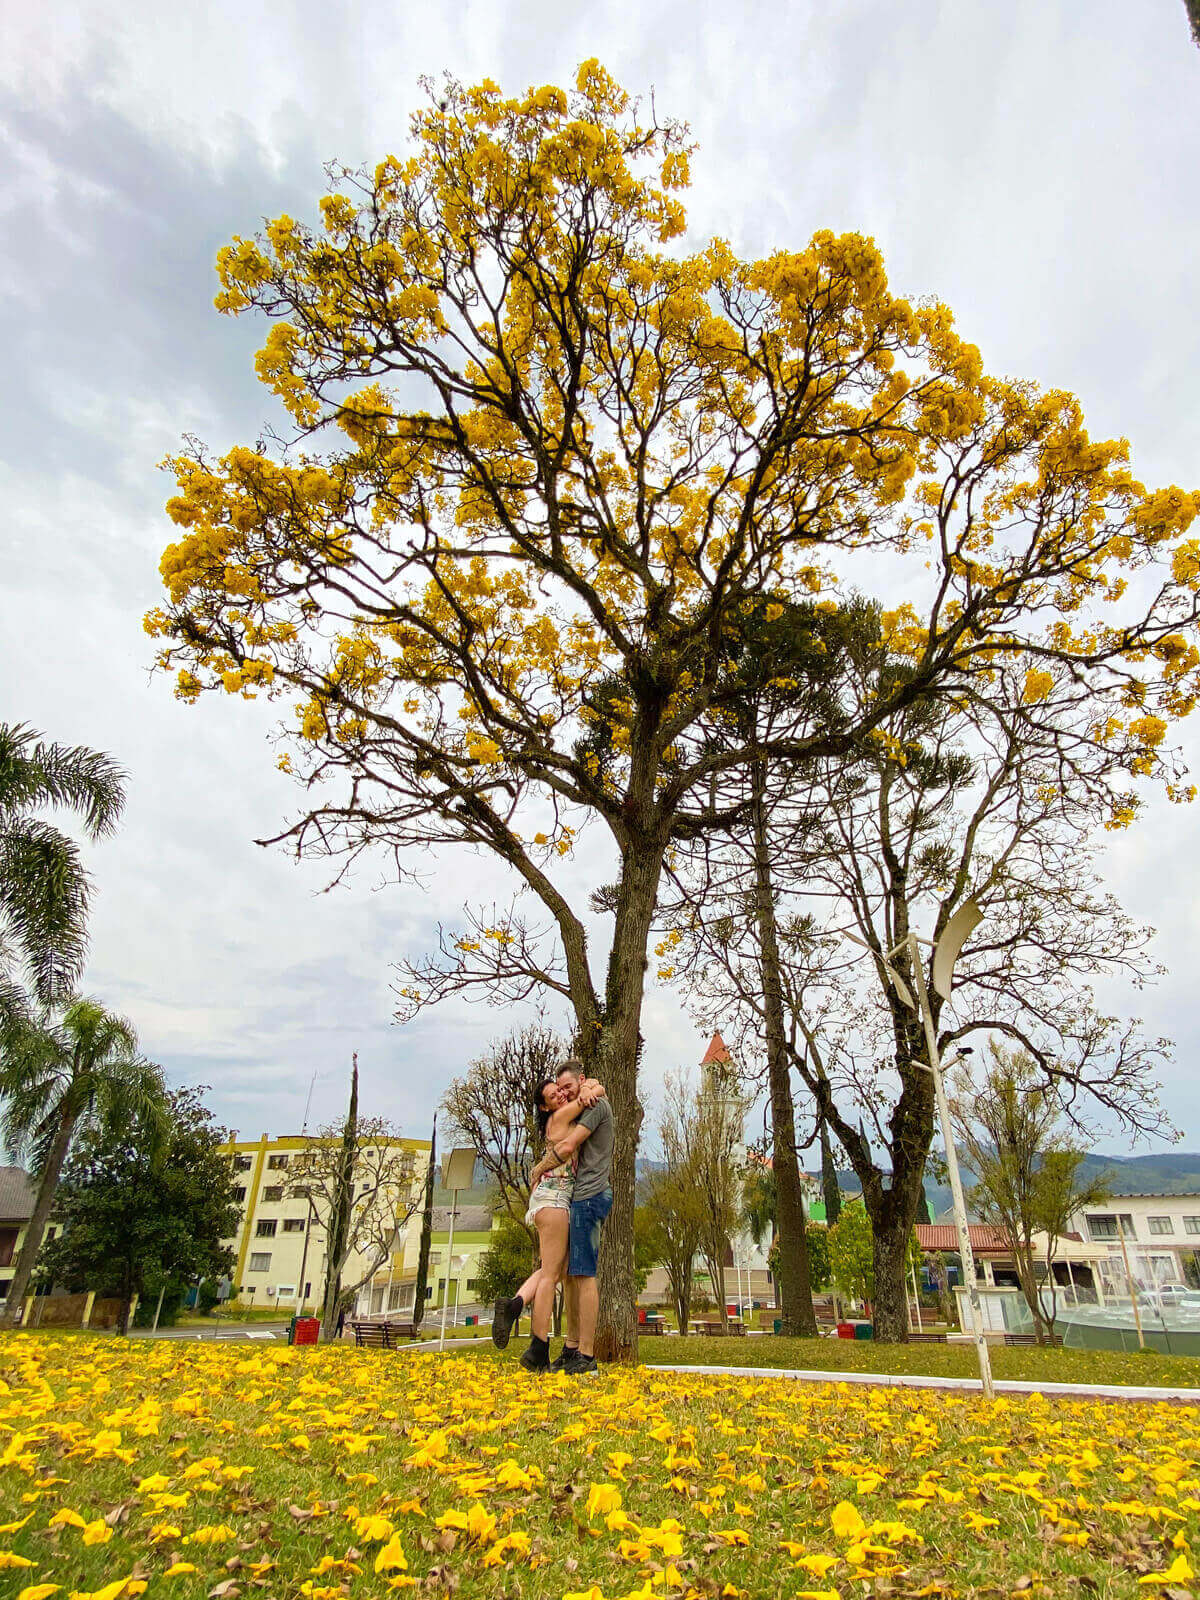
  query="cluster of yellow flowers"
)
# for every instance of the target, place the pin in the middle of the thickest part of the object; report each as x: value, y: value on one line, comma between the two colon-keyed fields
x: 202, y: 1469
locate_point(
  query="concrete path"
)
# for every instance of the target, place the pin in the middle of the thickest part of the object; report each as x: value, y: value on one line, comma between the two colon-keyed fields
x: 222, y: 1331
x: 1103, y: 1391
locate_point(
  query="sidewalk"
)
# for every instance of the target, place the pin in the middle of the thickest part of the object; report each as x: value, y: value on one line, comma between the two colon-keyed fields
x: 1100, y: 1391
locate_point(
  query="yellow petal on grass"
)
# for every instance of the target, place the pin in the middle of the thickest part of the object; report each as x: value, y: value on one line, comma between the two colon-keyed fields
x: 1180, y: 1571
x: 97, y: 1532
x: 846, y: 1522
x: 15, y: 1527
x: 818, y: 1565
x: 110, y: 1591
x: 392, y: 1558
x: 602, y: 1498
x: 39, y: 1591
x: 66, y: 1518
x: 177, y: 1569
x: 373, y: 1529
x: 217, y: 1533
x: 154, y: 1484
x: 10, y: 1559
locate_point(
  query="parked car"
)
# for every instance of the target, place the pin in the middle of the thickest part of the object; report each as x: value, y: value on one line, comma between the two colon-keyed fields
x: 1171, y: 1294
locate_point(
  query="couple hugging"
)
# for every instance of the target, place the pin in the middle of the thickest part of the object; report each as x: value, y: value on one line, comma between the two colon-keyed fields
x: 571, y: 1194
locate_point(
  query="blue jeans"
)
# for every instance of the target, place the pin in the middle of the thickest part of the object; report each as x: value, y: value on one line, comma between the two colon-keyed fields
x: 586, y: 1217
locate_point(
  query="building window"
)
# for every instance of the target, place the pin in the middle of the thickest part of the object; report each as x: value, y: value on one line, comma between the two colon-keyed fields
x: 1106, y: 1227
x: 286, y: 1291
x: 429, y: 1292
x: 472, y: 1283
x: 260, y: 1261
x: 1191, y: 1224
x: 1160, y: 1226
x: 277, y: 1163
x: 265, y: 1230
x: 273, y: 1191
x: 239, y: 1194
x: 293, y: 1224
x: 242, y: 1163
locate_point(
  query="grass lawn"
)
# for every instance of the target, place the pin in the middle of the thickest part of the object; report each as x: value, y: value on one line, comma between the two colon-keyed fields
x: 1022, y: 1362
x: 204, y: 1470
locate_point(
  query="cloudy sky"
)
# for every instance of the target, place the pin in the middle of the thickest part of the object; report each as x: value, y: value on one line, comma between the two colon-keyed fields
x: 1034, y: 164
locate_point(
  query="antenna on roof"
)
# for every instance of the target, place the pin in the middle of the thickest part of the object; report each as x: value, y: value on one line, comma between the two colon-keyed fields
x: 312, y: 1085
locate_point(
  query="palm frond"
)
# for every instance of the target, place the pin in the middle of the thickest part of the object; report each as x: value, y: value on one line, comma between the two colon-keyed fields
x: 34, y: 772
x: 44, y: 898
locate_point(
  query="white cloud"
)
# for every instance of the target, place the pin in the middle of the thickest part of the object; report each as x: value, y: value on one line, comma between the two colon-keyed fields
x: 1033, y: 164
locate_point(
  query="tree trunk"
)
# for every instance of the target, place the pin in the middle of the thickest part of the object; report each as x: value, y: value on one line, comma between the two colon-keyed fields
x: 422, y: 1283
x: 795, y: 1286
x: 339, y: 1217
x: 34, y: 1233
x: 616, y: 1063
x: 890, y: 1310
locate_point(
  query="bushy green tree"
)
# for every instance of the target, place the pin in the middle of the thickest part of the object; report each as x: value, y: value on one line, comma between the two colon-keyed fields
x: 145, y: 1203
x: 852, y: 1252
x: 506, y: 1263
x: 79, y: 1073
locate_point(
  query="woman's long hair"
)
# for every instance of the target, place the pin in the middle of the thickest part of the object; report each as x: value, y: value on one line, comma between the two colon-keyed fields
x: 540, y: 1113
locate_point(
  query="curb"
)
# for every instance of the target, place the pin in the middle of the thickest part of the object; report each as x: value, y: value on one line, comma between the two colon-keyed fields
x: 1102, y: 1391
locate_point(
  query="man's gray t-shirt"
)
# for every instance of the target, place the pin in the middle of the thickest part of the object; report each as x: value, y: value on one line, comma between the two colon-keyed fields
x: 594, y: 1166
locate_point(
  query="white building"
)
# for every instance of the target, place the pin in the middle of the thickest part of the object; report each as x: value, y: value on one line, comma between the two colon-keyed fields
x: 1159, y: 1234
x: 280, y: 1242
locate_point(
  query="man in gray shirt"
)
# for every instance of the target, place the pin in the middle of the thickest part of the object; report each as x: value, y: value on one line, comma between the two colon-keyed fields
x: 591, y: 1201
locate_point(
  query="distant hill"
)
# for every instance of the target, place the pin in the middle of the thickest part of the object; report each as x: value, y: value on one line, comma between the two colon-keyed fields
x: 1169, y: 1172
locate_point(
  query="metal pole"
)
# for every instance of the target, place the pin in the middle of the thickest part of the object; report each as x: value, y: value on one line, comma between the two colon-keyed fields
x: 1137, y: 1315
x: 966, y: 1254
x: 449, y: 1256
x: 158, y: 1308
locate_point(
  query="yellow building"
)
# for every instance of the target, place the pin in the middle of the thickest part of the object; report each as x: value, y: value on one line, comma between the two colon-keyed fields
x: 280, y: 1242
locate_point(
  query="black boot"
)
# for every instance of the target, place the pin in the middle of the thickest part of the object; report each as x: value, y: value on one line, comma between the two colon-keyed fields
x: 504, y: 1314
x: 536, y: 1358
x: 564, y: 1357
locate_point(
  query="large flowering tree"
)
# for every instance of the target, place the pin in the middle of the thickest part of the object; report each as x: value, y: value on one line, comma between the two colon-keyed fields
x: 544, y: 454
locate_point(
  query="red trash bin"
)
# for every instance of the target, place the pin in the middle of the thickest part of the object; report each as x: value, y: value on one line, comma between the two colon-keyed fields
x: 845, y: 1330
x: 307, y: 1330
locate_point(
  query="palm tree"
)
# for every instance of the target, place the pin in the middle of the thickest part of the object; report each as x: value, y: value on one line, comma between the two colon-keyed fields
x: 59, y: 1076
x: 44, y: 890
x: 759, y: 1203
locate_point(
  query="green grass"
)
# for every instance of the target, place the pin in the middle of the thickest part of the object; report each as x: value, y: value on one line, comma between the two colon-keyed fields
x: 270, y: 1474
x: 1026, y: 1363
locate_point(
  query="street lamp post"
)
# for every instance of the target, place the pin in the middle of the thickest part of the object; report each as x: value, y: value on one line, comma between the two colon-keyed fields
x: 456, y: 1175
x: 945, y: 954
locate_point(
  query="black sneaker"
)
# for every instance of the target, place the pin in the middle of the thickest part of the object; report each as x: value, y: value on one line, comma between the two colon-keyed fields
x: 581, y: 1366
x: 536, y: 1357
x: 504, y: 1314
x: 567, y: 1352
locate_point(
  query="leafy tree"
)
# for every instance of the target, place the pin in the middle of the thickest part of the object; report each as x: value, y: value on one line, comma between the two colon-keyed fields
x: 144, y: 1203
x: 426, y: 1241
x: 673, y: 1214
x: 1192, y: 7
x: 698, y: 1130
x: 490, y: 1108
x: 1027, y: 1167
x: 820, y: 1271
x: 541, y: 463
x: 951, y: 803
x: 45, y: 893
x: 852, y: 1252
x: 506, y: 1263
x: 759, y: 1201
x: 60, y: 1077
x: 645, y: 1247
x: 359, y: 1182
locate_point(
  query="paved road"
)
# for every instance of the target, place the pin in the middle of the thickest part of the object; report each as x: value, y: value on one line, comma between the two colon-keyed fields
x: 265, y: 1332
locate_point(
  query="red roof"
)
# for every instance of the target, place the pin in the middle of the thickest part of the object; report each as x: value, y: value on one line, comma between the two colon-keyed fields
x: 985, y: 1240
x: 717, y: 1051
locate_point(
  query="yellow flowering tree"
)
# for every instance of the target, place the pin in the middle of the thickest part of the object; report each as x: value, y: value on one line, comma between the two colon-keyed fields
x: 544, y: 450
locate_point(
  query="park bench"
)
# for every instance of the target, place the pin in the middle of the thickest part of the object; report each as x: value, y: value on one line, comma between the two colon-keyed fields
x: 716, y: 1329
x: 381, y: 1335
x: 1029, y: 1338
x: 927, y: 1338
x: 651, y: 1325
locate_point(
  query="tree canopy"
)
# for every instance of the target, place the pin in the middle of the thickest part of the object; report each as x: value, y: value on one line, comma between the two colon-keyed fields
x: 142, y: 1202
x: 544, y: 449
